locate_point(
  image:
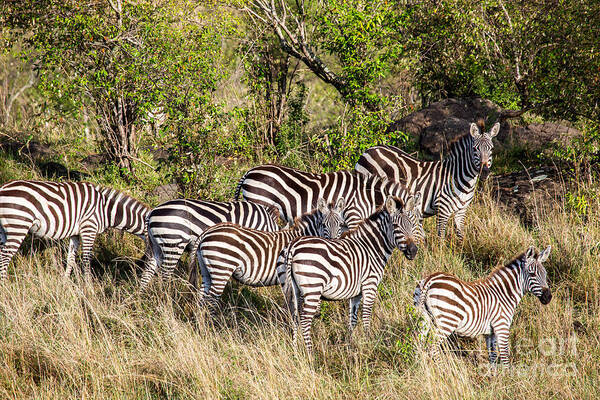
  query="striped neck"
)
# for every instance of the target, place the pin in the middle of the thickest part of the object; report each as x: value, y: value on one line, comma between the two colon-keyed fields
x: 461, y: 159
x: 124, y: 212
x: 307, y: 224
x: 509, y: 281
x: 374, y: 233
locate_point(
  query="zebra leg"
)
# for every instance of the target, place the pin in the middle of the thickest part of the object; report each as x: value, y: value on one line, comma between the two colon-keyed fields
x: 150, y: 268
x: 490, y: 341
x: 87, y: 244
x: 354, y: 304
x: 8, y: 250
x: 369, y: 293
x: 171, y: 257
x: 442, y: 221
x: 71, y: 255
x: 310, y: 306
x: 459, y: 222
x: 503, y: 346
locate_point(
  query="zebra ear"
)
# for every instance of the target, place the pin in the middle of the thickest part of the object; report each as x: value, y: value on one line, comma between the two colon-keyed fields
x: 418, y: 201
x: 390, y: 205
x: 530, y: 252
x: 340, y: 205
x: 495, y: 129
x: 475, y: 131
x: 544, y: 254
x: 410, y: 204
x: 322, y: 205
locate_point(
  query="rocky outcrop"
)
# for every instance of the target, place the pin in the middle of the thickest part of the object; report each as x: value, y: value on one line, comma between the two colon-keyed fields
x: 522, y: 192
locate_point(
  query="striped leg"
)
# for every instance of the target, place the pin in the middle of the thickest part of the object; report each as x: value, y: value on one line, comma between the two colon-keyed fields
x: 71, y: 255
x: 87, y: 243
x: 490, y: 341
x: 369, y: 294
x: 459, y: 222
x: 311, y: 304
x: 214, y: 285
x: 171, y: 257
x: 502, y: 334
x: 150, y: 268
x: 442, y: 221
x: 13, y: 242
x: 354, y: 305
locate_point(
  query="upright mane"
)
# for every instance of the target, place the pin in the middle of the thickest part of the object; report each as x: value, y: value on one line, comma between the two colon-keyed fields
x: 500, y: 267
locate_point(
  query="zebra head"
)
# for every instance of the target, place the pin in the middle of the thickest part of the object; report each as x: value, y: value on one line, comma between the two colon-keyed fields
x: 403, y: 232
x: 482, y: 148
x: 333, y: 223
x: 535, y: 274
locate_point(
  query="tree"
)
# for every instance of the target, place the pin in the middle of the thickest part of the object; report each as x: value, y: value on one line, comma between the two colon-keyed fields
x: 524, y: 55
x: 122, y: 59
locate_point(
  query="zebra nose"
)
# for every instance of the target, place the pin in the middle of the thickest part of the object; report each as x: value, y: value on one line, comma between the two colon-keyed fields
x: 546, y: 296
x: 411, y: 251
x: 485, y: 171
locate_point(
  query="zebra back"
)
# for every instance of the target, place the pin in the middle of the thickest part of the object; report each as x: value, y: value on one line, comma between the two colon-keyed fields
x: 296, y: 192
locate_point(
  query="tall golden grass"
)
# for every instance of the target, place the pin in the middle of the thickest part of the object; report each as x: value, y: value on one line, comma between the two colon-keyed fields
x: 61, y: 340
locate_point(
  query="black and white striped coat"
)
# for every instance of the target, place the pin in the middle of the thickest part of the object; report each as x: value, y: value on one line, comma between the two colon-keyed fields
x: 296, y: 192
x: 177, y: 225
x: 75, y: 210
x: 347, y: 268
x: 250, y: 255
x: 485, y: 307
x: 448, y: 185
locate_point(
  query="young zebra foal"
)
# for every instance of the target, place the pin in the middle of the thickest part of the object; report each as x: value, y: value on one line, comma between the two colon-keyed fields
x: 250, y: 255
x: 484, y: 307
x: 348, y: 268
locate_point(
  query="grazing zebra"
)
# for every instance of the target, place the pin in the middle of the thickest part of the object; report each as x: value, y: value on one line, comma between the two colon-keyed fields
x: 347, y: 268
x: 250, y: 255
x: 296, y: 192
x: 177, y: 224
x: 448, y: 185
x: 484, y: 307
x: 75, y: 210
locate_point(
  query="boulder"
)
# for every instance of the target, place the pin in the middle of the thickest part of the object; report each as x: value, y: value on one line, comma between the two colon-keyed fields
x: 540, y: 136
x: 523, y: 192
x: 166, y: 192
x: 33, y: 149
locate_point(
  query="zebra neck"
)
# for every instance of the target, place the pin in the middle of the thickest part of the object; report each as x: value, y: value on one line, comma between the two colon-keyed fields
x: 508, y: 282
x: 124, y: 212
x: 307, y: 224
x: 460, y: 163
x: 372, y: 234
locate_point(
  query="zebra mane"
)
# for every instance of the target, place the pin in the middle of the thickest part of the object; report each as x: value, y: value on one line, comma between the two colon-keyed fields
x: 110, y: 193
x: 372, y: 218
x: 306, y: 217
x: 511, y: 264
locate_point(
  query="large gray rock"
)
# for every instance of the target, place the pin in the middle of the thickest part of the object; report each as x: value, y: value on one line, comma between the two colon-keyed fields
x: 541, y: 136
x: 166, y: 192
x: 442, y: 122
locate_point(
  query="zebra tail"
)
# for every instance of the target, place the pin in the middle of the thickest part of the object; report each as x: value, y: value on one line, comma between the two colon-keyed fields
x: 3, y: 237
x: 419, y: 295
x: 290, y: 288
x: 238, y: 189
x: 195, y: 259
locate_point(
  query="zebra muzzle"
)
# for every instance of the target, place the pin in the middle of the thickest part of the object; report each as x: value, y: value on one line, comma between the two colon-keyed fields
x: 411, y: 251
x: 546, y: 296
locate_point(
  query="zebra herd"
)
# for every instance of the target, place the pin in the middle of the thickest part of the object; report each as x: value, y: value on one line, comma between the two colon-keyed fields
x: 342, y: 228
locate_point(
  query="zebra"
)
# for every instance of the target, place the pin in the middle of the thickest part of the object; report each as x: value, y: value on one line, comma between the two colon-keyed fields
x: 250, y: 255
x: 350, y: 267
x: 296, y: 192
x: 484, y: 307
x: 447, y: 185
x: 176, y: 225
x: 58, y: 210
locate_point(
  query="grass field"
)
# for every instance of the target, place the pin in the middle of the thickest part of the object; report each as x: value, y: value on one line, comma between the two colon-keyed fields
x: 59, y: 340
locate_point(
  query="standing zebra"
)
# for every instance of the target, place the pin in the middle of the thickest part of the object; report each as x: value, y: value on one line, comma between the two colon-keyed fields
x: 484, y: 307
x: 448, y: 185
x: 250, y: 255
x: 347, y: 268
x: 177, y: 224
x: 75, y: 210
x: 296, y: 192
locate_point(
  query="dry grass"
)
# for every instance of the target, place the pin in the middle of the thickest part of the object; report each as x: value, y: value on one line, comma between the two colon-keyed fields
x: 59, y: 341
